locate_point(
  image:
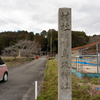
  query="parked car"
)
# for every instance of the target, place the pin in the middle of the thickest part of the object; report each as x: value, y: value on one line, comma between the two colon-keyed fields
x: 3, y: 71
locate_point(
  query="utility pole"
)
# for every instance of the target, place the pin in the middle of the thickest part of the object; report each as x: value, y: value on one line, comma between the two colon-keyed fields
x: 51, y: 44
x: 47, y: 49
x: 97, y: 58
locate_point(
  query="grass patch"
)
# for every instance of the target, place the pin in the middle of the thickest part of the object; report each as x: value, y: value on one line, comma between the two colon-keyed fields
x: 50, y: 85
x: 10, y: 61
x: 82, y: 89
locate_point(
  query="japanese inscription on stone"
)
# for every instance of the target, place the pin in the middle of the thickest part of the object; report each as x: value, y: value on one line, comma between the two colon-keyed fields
x: 64, y: 54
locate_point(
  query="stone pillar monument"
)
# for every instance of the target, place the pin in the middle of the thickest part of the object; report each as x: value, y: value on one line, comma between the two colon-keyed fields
x: 64, y: 54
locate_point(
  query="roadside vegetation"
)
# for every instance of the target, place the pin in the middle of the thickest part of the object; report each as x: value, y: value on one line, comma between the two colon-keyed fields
x: 11, y: 61
x: 82, y: 89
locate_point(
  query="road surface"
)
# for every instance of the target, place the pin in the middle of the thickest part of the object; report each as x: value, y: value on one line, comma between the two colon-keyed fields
x: 21, y: 82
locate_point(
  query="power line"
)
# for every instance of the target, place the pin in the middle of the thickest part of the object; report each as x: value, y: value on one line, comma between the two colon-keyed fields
x: 14, y: 21
x: 7, y: 23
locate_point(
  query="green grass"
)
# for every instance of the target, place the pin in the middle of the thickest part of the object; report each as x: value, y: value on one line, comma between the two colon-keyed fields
x: 79, y: 92
x: 84, y: 87
x: 50, y: 85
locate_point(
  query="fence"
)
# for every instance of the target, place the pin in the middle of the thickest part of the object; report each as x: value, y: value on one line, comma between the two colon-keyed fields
x: 86, y: 63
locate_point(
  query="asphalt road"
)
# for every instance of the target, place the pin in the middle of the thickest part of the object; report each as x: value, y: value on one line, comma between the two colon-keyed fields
x: 21, y: 82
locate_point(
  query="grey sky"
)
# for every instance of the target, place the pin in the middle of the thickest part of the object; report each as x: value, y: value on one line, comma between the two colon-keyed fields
x: 38, y: 15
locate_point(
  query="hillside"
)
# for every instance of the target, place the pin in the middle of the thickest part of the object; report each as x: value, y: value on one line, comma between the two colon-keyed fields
x: 93, y: 39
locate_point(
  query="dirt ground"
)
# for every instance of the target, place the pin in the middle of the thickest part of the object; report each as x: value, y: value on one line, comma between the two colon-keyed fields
x: 92, y: 88
x: 85, y: 68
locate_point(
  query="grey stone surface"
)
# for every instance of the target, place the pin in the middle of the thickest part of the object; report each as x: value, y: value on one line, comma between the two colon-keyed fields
x: 64, y: 54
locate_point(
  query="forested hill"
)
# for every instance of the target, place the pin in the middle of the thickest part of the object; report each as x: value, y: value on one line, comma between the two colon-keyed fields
x: 79, y: 38
x: 93, y: 39
x: 10, y: 38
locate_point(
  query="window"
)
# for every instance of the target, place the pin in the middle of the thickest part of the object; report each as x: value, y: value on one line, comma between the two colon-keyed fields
x: 1, y: 62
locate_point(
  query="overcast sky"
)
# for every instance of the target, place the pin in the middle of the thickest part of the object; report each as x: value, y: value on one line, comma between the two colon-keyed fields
x: 38, y: 15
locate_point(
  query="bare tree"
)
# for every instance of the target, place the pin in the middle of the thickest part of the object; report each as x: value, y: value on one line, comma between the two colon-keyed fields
x: 27, y: 48
x: 10, y: 51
